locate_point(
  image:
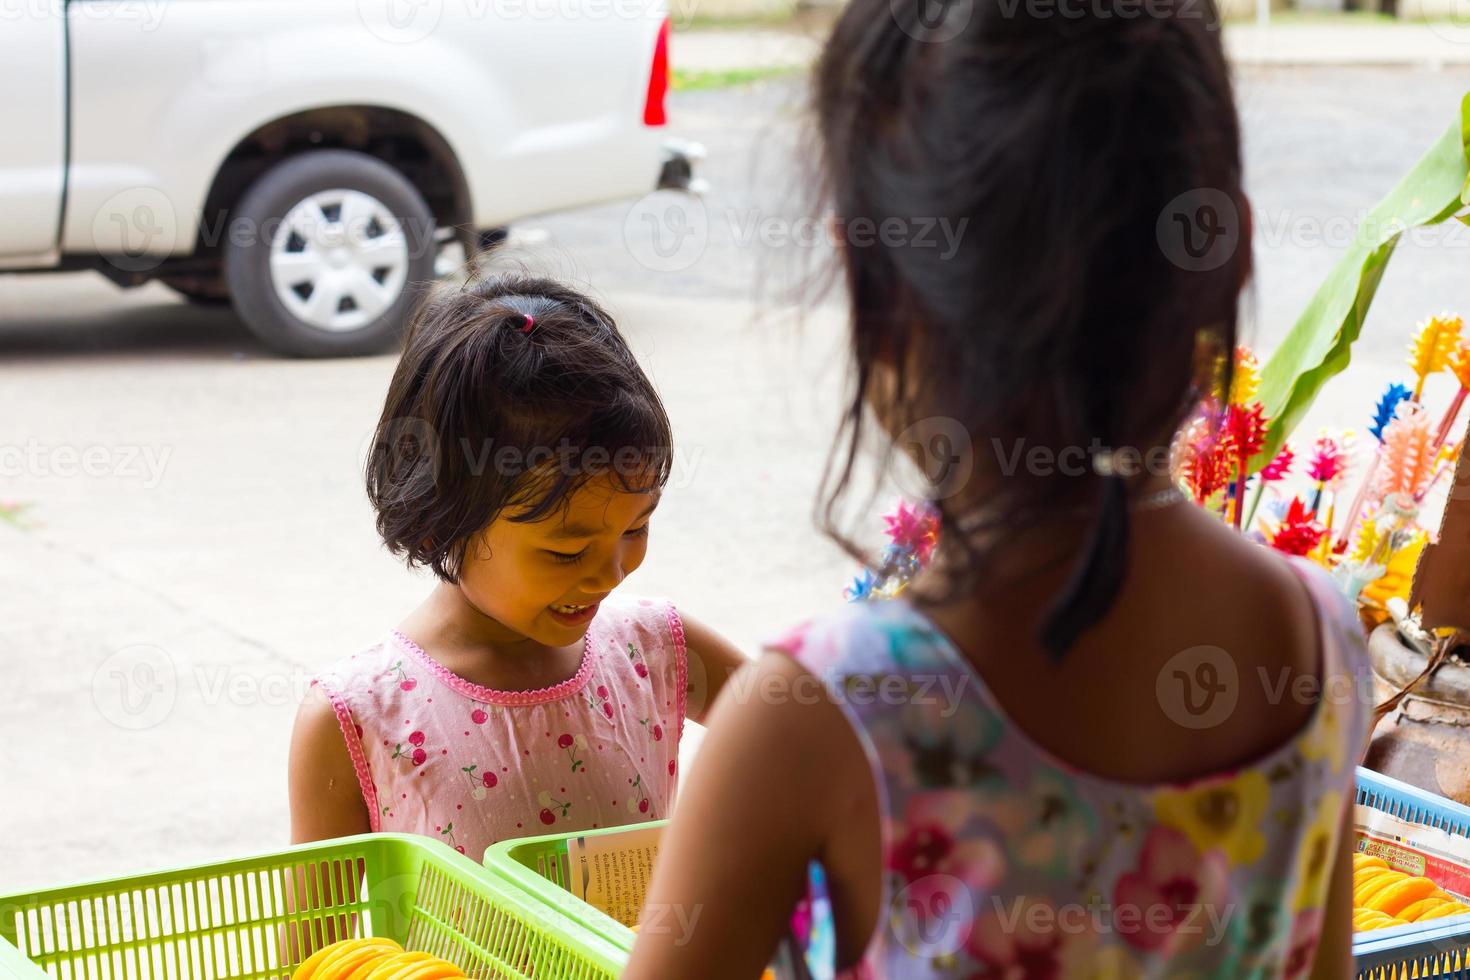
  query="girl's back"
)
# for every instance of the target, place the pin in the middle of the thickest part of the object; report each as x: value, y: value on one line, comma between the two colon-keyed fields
x: 1166, y: 801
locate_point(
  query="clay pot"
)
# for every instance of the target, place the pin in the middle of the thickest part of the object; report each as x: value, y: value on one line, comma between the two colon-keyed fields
x: 1426, y: 742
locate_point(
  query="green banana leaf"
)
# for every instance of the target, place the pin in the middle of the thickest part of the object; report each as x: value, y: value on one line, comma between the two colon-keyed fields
x: 1320, y: 344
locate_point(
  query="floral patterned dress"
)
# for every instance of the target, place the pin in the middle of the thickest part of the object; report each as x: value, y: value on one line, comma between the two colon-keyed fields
x: 1003, y: 861
x: 438, y: 755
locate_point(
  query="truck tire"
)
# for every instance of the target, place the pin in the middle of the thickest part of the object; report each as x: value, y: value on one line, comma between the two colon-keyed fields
x: 327, y: 253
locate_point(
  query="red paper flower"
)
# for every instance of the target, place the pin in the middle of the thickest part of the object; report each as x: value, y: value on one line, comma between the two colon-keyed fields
x: 1206, y: 470
x: 1298, y: 533
x: 1328, y: 460
x: 1280, y: 467
x: 913, y: 527
x: 1245, y: 430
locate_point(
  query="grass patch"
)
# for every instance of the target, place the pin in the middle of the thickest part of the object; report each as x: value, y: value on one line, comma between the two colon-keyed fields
x: 12, y: 512
x: 696, y: 81
x: 1323, y: 18
x: 775, y: 20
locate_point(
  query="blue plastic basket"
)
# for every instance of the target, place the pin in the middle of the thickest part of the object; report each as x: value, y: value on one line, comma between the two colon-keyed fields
x: 1436, y: 949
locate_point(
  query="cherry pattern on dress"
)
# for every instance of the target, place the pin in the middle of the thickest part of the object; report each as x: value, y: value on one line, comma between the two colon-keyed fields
x: 415, y: 751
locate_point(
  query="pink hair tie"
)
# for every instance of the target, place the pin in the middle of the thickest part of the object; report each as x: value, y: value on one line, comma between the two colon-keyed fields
x: 530, y: 322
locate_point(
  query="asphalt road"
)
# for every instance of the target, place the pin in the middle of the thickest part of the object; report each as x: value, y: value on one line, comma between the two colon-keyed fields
x: 197, y: 541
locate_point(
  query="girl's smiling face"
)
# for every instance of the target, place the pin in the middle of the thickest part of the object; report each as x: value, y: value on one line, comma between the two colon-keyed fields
x: 544, y: 580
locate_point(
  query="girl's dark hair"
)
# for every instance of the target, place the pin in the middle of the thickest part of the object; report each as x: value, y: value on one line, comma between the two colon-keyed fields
x: 511, y: 394
x: 1059, y: 140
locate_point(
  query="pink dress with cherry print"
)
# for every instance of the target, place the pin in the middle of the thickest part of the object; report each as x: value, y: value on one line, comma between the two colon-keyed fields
x: 438, y: 755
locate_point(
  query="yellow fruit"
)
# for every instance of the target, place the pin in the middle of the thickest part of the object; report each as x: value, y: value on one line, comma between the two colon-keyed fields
x: 371, y: 963
x: 434, y: 969
x: 309, y: 965
x: 1401, y: 894
x: 342, y: 965
x: 1367, y: 920
x: 1364, y: 875
x: 1361, y: 861
x: 1363, y: 894
x: 385, y: 969
x: 329, y: 953
x: 1444, y: 911
x: 1411, y: 913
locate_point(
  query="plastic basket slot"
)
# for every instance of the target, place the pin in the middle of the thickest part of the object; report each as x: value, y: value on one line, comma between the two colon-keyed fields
x: 440, y: 904
x: 320, y: 902
x: 484, y: 940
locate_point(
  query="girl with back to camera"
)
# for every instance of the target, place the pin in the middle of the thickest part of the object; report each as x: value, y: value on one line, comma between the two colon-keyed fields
x: 1116, y: 786
x: 520, y: 455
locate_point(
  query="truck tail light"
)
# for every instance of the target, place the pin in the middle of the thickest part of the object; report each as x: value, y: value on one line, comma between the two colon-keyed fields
x: 658, y: 81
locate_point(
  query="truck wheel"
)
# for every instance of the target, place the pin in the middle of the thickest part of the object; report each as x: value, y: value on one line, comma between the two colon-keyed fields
x: 327, y: 252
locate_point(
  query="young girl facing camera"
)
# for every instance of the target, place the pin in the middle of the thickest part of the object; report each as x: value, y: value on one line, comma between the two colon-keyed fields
x: 520, y: 455
x: 1116, y: 786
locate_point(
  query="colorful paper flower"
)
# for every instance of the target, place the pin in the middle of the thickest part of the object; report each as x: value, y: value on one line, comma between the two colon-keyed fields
x: 1245, y: 430
x: 1435, y: 342
x: 1298, y: 533
x: 1408, y: 454
x: 1245, y: 381
x: 1460, y: 363
x: 914, y: 527
x: 862, y: 587
x: 1395, y: 583
x: 1280, y: 467
x: 1328, y: 460
x: 1387, y: 409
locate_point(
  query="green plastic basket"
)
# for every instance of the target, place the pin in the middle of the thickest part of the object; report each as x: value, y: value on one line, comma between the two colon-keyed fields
x: 537, y: 865
x: 228, y: 920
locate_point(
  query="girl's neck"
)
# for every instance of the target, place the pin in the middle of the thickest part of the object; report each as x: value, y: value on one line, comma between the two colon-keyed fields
x: 447, y: 620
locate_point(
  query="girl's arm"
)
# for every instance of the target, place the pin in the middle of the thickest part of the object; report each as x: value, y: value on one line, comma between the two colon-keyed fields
x: 326, y: 800
x: 774, y: 774
x: 1335, y: 946
x: 712, y: 661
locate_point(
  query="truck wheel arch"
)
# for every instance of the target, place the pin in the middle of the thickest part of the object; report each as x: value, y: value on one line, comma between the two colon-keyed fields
x: 402, y: 140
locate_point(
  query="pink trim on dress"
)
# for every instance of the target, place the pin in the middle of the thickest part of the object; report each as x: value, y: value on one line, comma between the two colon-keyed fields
x: 510, y: 699
x: 681, y: 667
x: 354, y: 749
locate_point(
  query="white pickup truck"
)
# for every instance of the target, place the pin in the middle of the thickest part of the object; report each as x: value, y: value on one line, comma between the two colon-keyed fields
x: 308, y: 160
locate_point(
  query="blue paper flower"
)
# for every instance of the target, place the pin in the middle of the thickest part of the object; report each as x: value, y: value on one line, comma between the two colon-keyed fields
x: 1388, y: 405
x: 862, y: 587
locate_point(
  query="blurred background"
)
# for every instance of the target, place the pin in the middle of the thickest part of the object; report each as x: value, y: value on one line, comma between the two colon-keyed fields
x: 216, y: 214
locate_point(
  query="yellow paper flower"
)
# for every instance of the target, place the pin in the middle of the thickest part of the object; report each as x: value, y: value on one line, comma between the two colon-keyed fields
x: 1448, y: 453
x: 1246, y: 379
x: 1395, y: 583
x: 1366, y: 541
x: 1434, y: 344
x: 1223, y: 814
x: 1314, y: 856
